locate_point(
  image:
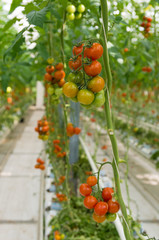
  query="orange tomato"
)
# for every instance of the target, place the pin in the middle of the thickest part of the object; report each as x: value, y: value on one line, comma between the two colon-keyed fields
x: 96, y: 84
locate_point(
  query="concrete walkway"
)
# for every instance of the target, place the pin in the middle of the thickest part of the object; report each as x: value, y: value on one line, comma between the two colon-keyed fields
x: 20, y: 183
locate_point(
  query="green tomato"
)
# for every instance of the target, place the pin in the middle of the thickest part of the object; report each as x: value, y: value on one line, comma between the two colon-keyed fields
x: 50, y: 90
x: 75, y: 77
x: 99, y: 99
x: 58, y: 91
x: 87, y: 106
x: 74, y: 99
x: 78, y: 15
x: 54, y: 98
x: 81, y: 8
x: 70, y: 9
x: 111, y: 217
x: 71, y: 77
x: 70, y: 16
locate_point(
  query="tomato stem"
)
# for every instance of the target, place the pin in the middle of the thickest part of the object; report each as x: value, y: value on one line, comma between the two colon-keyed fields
x: 110, y: 127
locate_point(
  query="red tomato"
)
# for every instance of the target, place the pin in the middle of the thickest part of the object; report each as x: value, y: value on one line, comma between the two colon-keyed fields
x: 107, y: 193
x: 77, y: 50
x: 77, y: 130
x: 50, y: 69
x: 94, y: 52
x: 91, y: 181
x: 113, y: 206
x: 90, y: 202
x: 148, y: 25
x: 126, y: 49
x: 149, y: 19
x: 85, y: 190
x: 93, y: 69
x: 101, y: 208
x: 59, y: 74
x: 48, y: 77
x: 75, y: 64
x: 142, y: 24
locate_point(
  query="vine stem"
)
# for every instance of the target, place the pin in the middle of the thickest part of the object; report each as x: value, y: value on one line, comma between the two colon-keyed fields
x: 104, y: 9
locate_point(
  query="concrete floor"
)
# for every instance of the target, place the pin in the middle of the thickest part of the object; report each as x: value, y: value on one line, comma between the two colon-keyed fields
x: 19, y: 182
x: 143, y: 181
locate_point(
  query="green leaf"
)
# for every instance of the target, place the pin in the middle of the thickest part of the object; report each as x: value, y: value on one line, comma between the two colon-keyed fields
x: 9, y: 24
x: 37, y: 18
x: 117, y: 19
x: 18, y: 38
x: 5, y: 81
x: 14, y: 5
x: 30, y: 7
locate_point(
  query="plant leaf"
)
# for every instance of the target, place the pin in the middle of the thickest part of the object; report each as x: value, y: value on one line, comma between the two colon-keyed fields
x: 14, y: 5
x: 18, y: 37
x: 37, y: 18
x: 9, y: 24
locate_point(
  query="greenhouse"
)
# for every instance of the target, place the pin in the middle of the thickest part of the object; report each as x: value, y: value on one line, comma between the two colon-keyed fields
x: 79, y: 120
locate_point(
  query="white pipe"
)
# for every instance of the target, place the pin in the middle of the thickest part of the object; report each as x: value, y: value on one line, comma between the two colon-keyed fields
x: 117, y: 222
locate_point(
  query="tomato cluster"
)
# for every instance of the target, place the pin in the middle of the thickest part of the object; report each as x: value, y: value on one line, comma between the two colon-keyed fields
x: 60, y: 181
x: 71, y: 130
x: 84, y: 85
x: 146, y: 24
x: 73, y: 12
x: 58, y: 149
x: 40, y: 164
x: 104, y: 209
x: 43, y: 128
x: 58, y: 235
x: 54, y: 80
x: 147, y: 69
x: 61, y: 197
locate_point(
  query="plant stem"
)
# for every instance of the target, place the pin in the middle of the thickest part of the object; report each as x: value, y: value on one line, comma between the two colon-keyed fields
x: 104, y: 11
x: 110, y: 128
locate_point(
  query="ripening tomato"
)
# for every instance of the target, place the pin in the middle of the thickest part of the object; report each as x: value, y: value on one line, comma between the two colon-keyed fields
x: 70, y: 130
x: 61, y: 82
x: 113, y: 206
x: 45, y: 128
x: 142, y: 24
x: 94, y: 52
x: 85, y: 96
x: 147, y: 29
x: 70, y: 89
x: 149, y: 69
x: 48, y: 77
x: 77, y: 130
x: 90, y: 202
x: 149, y: 19
x: 39, y: 160
x: 107, y: 193
x: 96, y: 84
x: 77, y: 49
x: 74, y: 65
x: 91, y: 181
x: 148, y: 24
x: 93, y: 69
x: 59, y: 66
x: 59, y: 74
x: 126, y: 49
x: 98, y: 219
x: 101, y: 208
x: 85, y: 190
x: 50, y: 69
